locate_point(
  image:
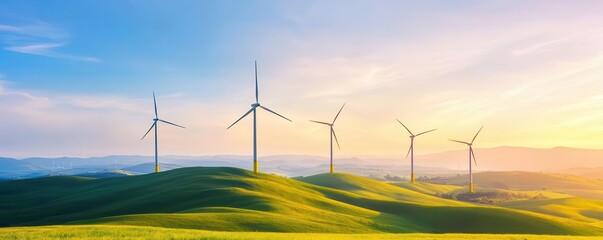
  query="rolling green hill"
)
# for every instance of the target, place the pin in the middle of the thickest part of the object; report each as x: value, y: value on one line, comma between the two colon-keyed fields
x: 429, y: 188
x: 231, y: 199
x: 376, y: 190
x: 579, y: 209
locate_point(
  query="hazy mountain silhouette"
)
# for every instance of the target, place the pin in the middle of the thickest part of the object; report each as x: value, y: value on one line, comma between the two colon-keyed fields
x: 588, y: 162
x: 519, y: 158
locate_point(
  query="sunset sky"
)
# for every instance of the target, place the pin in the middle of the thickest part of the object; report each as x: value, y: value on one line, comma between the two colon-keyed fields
x: 76, y: 77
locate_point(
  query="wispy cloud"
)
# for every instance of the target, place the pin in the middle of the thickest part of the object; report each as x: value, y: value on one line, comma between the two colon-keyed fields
x: 47, y: 49
x: 8, y: 28
x: 38, y: 38
x: 38, y: 49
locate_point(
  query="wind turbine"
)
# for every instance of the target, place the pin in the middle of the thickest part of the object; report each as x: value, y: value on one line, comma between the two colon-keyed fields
x: 254, y: 106
x: 471, y: 155
x: 411, y: 150
x: 154, y: 125
x: 332, y: 134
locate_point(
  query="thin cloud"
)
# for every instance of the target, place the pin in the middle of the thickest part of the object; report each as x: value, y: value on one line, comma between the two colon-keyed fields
x: 37, y: 49
x: 46, y: 49
x: 38, y: 38
x: 8, y: 28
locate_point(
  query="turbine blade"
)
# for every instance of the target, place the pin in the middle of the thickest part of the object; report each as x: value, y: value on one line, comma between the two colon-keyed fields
x: 320, y: 122
x: 256, y: 82
x: 265, y: 108
x: 425, y: 132
x: 480, y: 129
x: 460, y: 141
x: 247, y: 113
x: 334, y: 135
x: 164, y: 121
x: 408, y: 153
x: 405, y: 127
x: 338, y: 114
x: 155, y: 104
x: 473, y: 154
x: 152, y: 126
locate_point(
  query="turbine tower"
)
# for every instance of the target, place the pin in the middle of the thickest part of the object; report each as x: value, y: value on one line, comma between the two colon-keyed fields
x: 254, y: 106
x: 411, y: 150
x: 332, y: 134
x: 471, y: 155
x: 154, y: 125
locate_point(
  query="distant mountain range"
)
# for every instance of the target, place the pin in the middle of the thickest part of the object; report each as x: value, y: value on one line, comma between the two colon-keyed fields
x: 585, y: 162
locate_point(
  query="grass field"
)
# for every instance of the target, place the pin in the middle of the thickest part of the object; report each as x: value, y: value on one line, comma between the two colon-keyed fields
x: 231, y: 199
x: 527, y: 181
x: 582, y: 187
x: 99, y: 232
x: 580, y: 209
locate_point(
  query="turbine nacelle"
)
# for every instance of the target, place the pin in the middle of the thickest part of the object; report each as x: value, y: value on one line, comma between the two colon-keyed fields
x: 255, y: 105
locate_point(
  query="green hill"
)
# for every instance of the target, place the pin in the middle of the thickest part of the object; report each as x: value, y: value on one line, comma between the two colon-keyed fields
x: 376, y: 190
x: 429, y: 188
x: 223, y: 198
x: 579, y: 209
x: 230, y: 199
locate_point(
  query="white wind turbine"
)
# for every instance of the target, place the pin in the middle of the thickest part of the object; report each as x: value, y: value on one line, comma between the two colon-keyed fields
x: 154, y: 125
x: 411, y: 150
x: 254, y: 106
x: 332, y: 133
x: 471, y: 155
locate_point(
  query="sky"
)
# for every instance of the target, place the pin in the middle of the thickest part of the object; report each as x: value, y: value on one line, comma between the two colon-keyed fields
x: 76, y: 78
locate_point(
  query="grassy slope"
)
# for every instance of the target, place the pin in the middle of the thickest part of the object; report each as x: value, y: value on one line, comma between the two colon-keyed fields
x: 101, y: 232
x: 238, y: 200
x: 436, y: 214
x: 579, y: 209
x: 377, y: 190
x: 276, y: 203
x: 556, y: 204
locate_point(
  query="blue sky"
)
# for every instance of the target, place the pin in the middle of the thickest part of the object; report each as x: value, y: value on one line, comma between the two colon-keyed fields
x: 125, y: 46
x: 528, y: 70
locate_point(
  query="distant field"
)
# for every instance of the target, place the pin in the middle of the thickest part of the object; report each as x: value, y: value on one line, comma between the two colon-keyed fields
x: 526, y: 181
x: 114, y: 232
x: 560, y: 183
